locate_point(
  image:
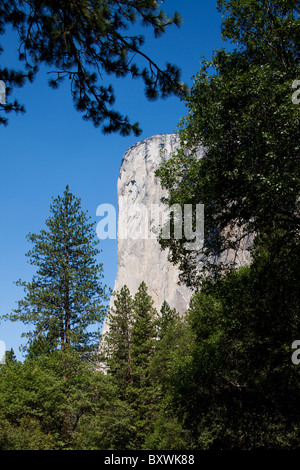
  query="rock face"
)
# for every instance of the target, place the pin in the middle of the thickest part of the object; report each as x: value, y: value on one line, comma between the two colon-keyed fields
x: 139, y: 197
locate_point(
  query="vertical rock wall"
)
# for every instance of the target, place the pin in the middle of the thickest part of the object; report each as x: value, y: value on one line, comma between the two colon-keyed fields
x: 139, y: 255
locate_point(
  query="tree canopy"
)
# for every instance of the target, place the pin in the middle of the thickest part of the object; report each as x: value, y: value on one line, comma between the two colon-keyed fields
x: 86, y: 41
x: 240, y: 110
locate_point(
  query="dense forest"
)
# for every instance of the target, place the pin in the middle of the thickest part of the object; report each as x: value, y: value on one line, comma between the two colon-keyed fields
x: 223, y: 376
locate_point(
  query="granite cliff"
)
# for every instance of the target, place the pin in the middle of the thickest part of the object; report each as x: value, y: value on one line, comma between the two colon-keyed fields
x: 140, y: 257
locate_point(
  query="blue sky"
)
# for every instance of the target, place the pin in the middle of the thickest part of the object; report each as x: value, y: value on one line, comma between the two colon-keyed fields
x: 51, y: 146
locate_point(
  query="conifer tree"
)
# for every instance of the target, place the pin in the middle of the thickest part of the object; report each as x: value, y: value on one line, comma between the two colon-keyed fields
x: 143, y: 332
x: 65, y: 296
x: 84, y: 42
x: 117, y: 340
x: 129, y: 347
x: 142, y: 392
x: 168, y: 317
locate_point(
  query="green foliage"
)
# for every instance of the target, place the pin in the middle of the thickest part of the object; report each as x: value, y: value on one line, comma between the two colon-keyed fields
x: 236, y: 387
x: 240, y: 109
x: 222, y: 378
x: 276, y: 21
x: 27, y: 435
x: 168, y: 317
x: 172, y: 349
x: 113, y: 428
x: 83, y: 42
x: 143, y: 333
x: 10, y: 357
x: 241, y: 389
x: 117, y: 341
x: 130, y: 345
x: 168, y: 434
x: 65, y: 296
x: 57, y: 395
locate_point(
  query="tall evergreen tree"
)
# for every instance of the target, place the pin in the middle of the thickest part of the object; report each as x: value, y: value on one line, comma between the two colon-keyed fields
x: 129, y: 347
x: 168, y: 317
x: 142, y: 391
x: 65, y: 296
x: 143, y: 333
x: 117, y: 340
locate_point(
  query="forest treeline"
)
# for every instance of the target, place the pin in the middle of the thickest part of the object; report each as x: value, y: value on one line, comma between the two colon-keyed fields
x: 219, y: 377
x: 222, y: 377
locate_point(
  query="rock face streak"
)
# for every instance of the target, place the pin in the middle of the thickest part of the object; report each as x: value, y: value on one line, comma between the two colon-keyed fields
x: 139, y: 255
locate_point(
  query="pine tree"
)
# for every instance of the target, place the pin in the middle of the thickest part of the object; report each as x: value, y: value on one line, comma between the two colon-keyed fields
x: 65, y: 296
x: 142, y: 392
x: 117, y: 340
x: 143, y: 332
x: 129, y: 347
x: 84, y: 42
x: 168, y: 317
